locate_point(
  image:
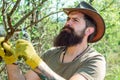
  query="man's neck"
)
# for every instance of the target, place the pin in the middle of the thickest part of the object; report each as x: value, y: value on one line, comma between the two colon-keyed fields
x: 77, y: 49
x: 73, y: 52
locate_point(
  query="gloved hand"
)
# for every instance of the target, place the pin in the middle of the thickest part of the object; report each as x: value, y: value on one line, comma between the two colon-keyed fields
x: 26, y: 50
x: 6, y: 52
x: 1, y: 48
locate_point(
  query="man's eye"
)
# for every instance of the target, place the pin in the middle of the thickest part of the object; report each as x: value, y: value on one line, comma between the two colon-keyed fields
x: 76, y: 20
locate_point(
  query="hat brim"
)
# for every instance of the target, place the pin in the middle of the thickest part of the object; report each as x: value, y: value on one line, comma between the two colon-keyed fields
x: 100, y: 25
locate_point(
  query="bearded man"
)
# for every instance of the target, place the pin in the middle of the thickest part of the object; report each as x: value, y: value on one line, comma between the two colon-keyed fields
x: 72, y: 58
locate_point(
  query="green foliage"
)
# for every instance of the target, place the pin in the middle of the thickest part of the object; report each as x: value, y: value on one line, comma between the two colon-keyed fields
x: 109, y: 45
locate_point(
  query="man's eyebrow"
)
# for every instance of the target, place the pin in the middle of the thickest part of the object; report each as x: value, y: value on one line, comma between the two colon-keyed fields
x: 74, y: 18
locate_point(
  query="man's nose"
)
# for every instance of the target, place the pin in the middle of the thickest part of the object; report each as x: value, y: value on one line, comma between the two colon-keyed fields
x: 69, y: 22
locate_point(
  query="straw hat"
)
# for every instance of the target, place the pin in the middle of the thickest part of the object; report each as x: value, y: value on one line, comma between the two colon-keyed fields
x: 91, y: 12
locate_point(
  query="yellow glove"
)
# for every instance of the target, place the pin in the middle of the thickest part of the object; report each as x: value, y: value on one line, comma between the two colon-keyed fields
x: 1, y: 48
x: 26, y: 50
x: 9, y: 56
x: 6, y: 52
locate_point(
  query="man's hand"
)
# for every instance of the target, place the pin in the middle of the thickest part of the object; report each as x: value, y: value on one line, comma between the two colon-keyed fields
x: 6, y: 52
x: 1, y: 48
x: 26, y: 50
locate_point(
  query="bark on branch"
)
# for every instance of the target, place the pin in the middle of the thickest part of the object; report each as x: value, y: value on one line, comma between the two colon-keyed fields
x: 108, y: 5
x: 14, y: 8
x: 2, y: 68
x: 42, y: 19
x: 27, y: 15
x: 3, y: 14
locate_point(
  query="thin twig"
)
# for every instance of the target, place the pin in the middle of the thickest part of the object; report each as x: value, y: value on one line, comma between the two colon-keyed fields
x: 3, y: 14
x: 8, y: 22
x: 12, y: 30
x: 42, y: 19
x: 2, y: 68
x: 27, y: 15
x: 108, y: 5
x: 14, y: 7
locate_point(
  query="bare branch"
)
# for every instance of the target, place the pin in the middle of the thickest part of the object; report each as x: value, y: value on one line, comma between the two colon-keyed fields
x: 12, y: 30
x: 9, y: 23
x: 108, y: 5
x: 14, y: 8
x: 2, y: 68
x: 3, y: 14
x: 42, y: 19
x: 27, y: 15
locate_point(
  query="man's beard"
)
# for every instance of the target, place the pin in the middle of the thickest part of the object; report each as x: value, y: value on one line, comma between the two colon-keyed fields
x: 68, y: 37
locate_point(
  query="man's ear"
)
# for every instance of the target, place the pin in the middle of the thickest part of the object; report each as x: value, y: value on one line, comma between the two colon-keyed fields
x: 89, y: 30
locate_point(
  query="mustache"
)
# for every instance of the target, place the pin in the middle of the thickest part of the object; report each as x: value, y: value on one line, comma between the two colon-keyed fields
x: 68, y: 27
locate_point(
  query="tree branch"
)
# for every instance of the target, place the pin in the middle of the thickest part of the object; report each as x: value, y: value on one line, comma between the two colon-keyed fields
x: 14, y: 8
x: 2, y: 68
x: 42, y: 19
x: 7, y: 23
x: 12, y: 30
x: 27, y: 15
x: 3, y: 14
x: 108, y: 5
